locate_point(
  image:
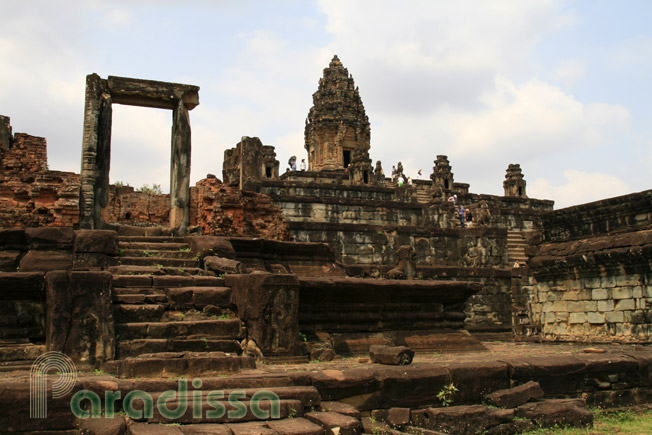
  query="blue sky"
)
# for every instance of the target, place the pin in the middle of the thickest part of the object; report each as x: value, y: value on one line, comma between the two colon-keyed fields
x: 561, y: 87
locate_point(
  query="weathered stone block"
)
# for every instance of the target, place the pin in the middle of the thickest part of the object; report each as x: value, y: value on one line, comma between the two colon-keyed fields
x: 590, y: 305
x: 560, y: 306
x: 571, y: 295
x: 577, y: 318
x: 595, y: 317
x: 576, y: 307
x: 647, y: 290
x: 513, y: 397
x: 80, y: 316
x: 625, y: 304
x: 600, y: 293
x: 221, y: 265
x: 45, y: 261
x: 628, y: 280
x: 269, y: 306
x: 548, y: 413
x: 394, y: 355
x: 608, y: 281
x: 622, y: 293
x: 606, y: 305
x: 637, y: 292
x: 48, y: 238
x: 211, y: 245
x: 9, y: 261
x: 92, y: 261
x: 96, y: 241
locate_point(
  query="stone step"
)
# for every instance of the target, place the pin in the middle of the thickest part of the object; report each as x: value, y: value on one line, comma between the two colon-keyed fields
x: 285, y: 426
x: 158, y: 271
x: 152, y: 239
x: 228, y: 328
x: 21, y: 352
x: 139, y: 291
x: 156, y: 261
x: 300, y: 398
x: 199, y: 297
x: 135, y: 299
x: 170, y: 246
x: 132, y: 348
x: 130, y: 313
x: 10, y: 366
x: 163, y: 281
x: 185, y: 364
x: 158, y: 253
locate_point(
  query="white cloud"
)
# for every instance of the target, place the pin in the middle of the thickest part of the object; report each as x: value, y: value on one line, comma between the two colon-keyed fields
x: 118, y: 17
x: 569, y: 71
x: 431, y: 54
x: 579, y: 187
x: 633, y: 52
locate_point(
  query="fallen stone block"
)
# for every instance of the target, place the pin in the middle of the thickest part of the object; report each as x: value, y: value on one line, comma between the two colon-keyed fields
x: 564, y: 412
x: 393, y: 355
x: 223, y: 265
x: 340, y: 408
x: 465, y: 419
x: 514, y: 397
x: 334, y: 423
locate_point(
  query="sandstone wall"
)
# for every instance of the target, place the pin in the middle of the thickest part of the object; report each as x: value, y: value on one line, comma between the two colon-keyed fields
x: 132, y: 207
x: 591, y: 277
x: 30, y: 194
x: 220, y: 210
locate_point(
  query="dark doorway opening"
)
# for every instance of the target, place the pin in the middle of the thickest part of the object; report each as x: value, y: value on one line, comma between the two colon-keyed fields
x: 446, y: 185
x: 347, y: 158
x: 365, y: 177
x: 268, y: 172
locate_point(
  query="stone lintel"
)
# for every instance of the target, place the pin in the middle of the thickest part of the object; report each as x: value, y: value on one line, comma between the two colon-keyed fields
x: 151, y: 93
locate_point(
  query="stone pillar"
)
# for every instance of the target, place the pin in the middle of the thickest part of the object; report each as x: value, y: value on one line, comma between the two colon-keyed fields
x: 180, y: 170
x: 80, y: 316
x: 89, y: 150
x: 269, y: 306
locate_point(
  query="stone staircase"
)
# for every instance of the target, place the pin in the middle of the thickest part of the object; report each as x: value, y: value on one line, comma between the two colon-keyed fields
x: 160, y: 252
x: 424, y: 196
x: 18, y: 354
x: 516, y: 247
x: 272, y: 405
x: 171, y: 317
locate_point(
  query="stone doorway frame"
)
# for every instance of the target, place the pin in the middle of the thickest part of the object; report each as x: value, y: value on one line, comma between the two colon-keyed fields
x: 96, y: 146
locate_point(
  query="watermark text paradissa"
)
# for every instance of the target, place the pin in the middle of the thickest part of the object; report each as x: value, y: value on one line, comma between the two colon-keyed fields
x: 138, y: 404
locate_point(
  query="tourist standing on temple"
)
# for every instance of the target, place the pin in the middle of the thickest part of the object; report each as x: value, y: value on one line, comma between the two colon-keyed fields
x: 303, y: 164
x: 460, y: 214
x: 469, y: 218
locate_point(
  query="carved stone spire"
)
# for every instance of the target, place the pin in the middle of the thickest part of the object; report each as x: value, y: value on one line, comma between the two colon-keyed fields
x: 514, y: 183
x: 337, y: 126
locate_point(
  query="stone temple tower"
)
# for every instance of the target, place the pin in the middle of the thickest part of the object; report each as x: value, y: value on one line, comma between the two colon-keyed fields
x: 337, y: 127
x: 514, y: 183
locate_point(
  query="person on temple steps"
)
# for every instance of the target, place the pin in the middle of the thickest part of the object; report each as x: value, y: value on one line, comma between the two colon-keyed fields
x: 460, y: 215
x: 303, y: 164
